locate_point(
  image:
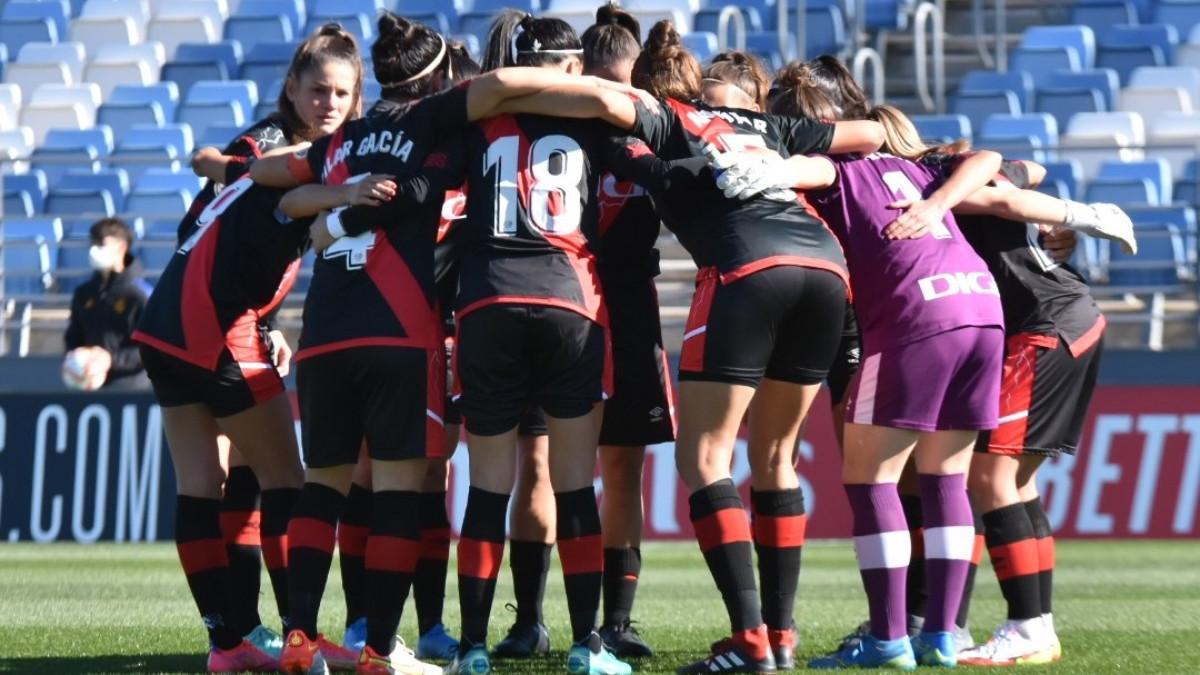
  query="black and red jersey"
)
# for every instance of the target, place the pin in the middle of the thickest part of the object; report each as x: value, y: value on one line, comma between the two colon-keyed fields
x: 237, y: 265
x: 377, y: 288
x: 738, y: 237
x: 628, y: 231
x: 265, y: 135
x: 1038, y: 295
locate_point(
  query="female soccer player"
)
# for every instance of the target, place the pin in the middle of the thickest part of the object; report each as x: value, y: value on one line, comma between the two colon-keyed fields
x: 217, y: 371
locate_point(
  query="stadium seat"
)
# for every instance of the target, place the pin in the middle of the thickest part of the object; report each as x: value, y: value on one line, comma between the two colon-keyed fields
x: 109, y: 76
x: 16, y: 33
x: 1188, y: 55
x: 977, y: 107
x: 157, y: 180
x: 479, y: 24
x: 57, y: 11
x: 165, y: 94
x: 765, y: 46
x: 1063, y: 104
x: 293, y: 11
x: 136, y: 160
x: 94, y: 32
x: 16, y: 144
x: 99, y: 137
x: 199, y: 116
x: 227, y: 52
x: 1095, y: 138
x: 1160, y: 265
x: 18, y: 204
x: 1036, y: 125
x: 188, y: 74
x: 158, y: 203
x: 1151, y: 103
x: 1040, y: 62
x: 1168, y: 76
x: 28, y: 265
x: 242, y: 92
x: 172, y: 32
x: 30, y: 76
x: 138, y: 10
x: 88, y: 203
x: 1018, y: 82
x: 942, y: 128
x: 1013, y: 147
x: 1156, y: 171
x: 709, y: 20
x: 87, y: 95
x: 216, y: 11
x: 452, y: 9
x: 113, y: 181
x: 32, y: 183
x: 253, y: 30
x: 360, y: 26
x: 1180, y: 216
x: 178, y: 137
x: 1183, y: 14
x: 825, y: 31
x: 1100, y: 14
x: 1175, y: 137
x: 1126, y: 58
x: 435, y: 20
x: 1103, y: 80
x: 71, y: 54
x: 1165, y: 37
x: 1121, y: 191
x: 220, y: 135
x: 152, y: 52
x: 1054, y: 188
x: 702, y: 44
x: 50, y: 229
x: 1079, y: 39
x: 57, y: 161
x: 42, y: 117
x: 10, y: 95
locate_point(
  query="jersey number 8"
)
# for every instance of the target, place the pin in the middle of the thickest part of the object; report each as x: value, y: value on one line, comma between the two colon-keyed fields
x: 555, y: 165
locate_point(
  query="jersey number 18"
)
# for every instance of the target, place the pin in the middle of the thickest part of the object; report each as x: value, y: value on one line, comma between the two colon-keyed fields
x: 555, y: 166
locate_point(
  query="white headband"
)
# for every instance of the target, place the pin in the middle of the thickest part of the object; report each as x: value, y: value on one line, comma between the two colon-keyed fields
x: 537, y: 47
x: 425, y: 71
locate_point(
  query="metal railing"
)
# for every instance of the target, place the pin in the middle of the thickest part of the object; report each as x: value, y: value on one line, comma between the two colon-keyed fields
x: 862, y: 58
x: 784, y: 43
x: 731, y: 15
x: 928, y: 18
x: 999, y: 59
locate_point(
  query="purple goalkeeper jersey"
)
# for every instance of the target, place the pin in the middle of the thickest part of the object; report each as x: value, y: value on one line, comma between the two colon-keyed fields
x: 908, y: 289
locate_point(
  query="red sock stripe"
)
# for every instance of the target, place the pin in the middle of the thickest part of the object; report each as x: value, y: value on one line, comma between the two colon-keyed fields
x: 1045, y: 551
x: 392, y: 554
x: 581, y: 555
x: 201, y: 555
x: 1017, y: 559
x: 352, y: 539
x: 311, y: 533
x: 480, y: 559
x: 727, y: 526
x: 435, y: 544
x: 241, y: 527
x: 275, y: 552
x: 977, y: 553
x: 780, y: 531
x: 917, y: 538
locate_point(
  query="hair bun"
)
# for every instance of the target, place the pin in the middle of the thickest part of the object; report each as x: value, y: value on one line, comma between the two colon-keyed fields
x: 663, y: 37
x: 608, y: 14
x: 391, y: 25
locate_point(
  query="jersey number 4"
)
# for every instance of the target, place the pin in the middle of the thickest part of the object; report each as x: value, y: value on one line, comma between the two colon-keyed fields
x: 555, y: 165
x: 902, y: 186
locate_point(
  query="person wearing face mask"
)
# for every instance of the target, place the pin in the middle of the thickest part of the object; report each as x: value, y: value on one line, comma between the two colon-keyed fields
x: 104, y: 312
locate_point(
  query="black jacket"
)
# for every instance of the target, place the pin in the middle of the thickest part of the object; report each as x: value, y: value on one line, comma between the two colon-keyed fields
x: 104, y: 312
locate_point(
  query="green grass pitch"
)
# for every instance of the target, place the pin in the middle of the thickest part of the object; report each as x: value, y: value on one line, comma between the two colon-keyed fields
x: 1121, y: 607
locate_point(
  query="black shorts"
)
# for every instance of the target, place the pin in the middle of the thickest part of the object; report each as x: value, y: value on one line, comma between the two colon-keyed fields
x: 783, y: 323
x: 640, y: 411
x: 451, y: 413
x: 234, y: 387
x: 389, y: 397
x: 1044, y: 396
x: 512, y: 357
x: 847, y: 361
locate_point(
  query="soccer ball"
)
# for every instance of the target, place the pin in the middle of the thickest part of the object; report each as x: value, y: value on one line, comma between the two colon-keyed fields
x: 74, y: 373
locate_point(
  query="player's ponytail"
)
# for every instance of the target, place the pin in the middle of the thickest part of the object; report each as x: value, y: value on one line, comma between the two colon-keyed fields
x: 328, y: 43
x: 744, y: 71
x: 612, y: 40
x: 462, y: 67
x: 410, y: 59
x: 665, y: 68
x: 831, y: 80
x: 796, y: 94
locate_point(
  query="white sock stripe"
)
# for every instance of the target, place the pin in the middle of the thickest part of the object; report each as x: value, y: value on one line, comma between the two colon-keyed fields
x: 956, y: 542
x: 864, y: 398
x: 1013, y: 417
x: 886, y: 550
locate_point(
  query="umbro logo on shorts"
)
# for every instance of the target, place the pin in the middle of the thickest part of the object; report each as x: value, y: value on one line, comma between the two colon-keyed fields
x: 656, y: 413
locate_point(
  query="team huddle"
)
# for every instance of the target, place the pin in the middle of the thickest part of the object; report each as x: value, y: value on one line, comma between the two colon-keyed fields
x: 485, y: 258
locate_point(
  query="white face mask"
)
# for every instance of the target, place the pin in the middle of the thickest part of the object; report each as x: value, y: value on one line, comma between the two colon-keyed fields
x: 102, y: 258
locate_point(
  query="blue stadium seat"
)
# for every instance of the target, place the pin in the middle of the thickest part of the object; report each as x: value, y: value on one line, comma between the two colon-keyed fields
x: 452, y: 9
x: 1182, y: 14
x: 254, y: 30
x: 361, y: 26
x: 113, y: 181
x: 74, y: 266
x: 477, y: 25
x: 267, y: 64
x: 1103, y: 80
x: 220, y: 135
x: 241, y: 92
x: 292, y: 11
x: 494, y: 6
x: 1160, y: 264
x: 1018, y: 82
x: 1054, y: 188
x: 227, y: 52
x: 1069, y: 173
x: 175, y: 136
x: 18, y: 204
x: 702, y: 44
x: 89, y: 203
x: 765, y: 45
x: 942, y: 128
x: 825, y: 31
x: 1163, y: 36
x: 199, y: 116
x: 368, y: 7
x: 708, y: 19
x: 158, y: 180
x: 161, y: 228
x: 32, y: 183
x: 28, y: 265
x: 1040, y: 62
x: 16, y: 33
x: 123, y: 116
x: 50, y: 229
x: 1180, y: 216
x: 58, y: 11
x: 158, y: 203
x: 977, y: 107
x: 57, y: 161
x: 1037, y: 125
x: 1100, y: 14
x: 887, y: 14
x: 155, y: 254
x: 99, y: 137
x: 1156, y: 171
x: 1123, y: 191
x: 188, y: 74
x: 1064, y: 103
x: 1014, y: 146
x: 438, y: 21
x: 165, y: 94
x: 1079, y: 39
x: 1126, y: 58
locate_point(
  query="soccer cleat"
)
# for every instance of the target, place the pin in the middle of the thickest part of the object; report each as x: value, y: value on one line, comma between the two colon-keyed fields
x: 266, y: 640
x: 625, y: 641
x: 302, y: 656
x: 355, y: 637
x: 402, y: 661
x: 1055, y: 648
x: 338, y: 657
x: 472, y: 661
x: 963, y: 640
x: 524, y: 640
x: 783, y: 647
x: 244, y: 657
x: 914, y: 625
x: 727, y: 656
x: 1008, y: 647
x: 870, y: 652
x: 935, y: 649
x: 590, y: 657
x: 437, y: 645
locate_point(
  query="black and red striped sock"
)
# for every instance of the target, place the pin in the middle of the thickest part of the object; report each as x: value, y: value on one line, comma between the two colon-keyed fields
x: 723, y: 532
x: 277, y: 506
x: 240, y: 529
x: 581, y: 552
x: 310, y: 538
x: 352, y: 530
x: 622, y: 566
x: 392, y: 552
x: 429, y: 585
x: 1046, y: 553
x: 529, y: 562
x: 779, y: 523
x: 480, y: 554
x: 202, y: 554
x: 964, y: 607
x: 1014, y: 552
x: 916, y: 590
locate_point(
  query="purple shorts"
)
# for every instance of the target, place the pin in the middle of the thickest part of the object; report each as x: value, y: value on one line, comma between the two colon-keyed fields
x: 946, y: 381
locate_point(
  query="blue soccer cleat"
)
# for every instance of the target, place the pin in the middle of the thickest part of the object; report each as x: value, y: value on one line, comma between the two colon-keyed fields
x: 870, y: 652
x: 591, y: 657
x: 355, y: 637
x: 266, y: 640
x: 936, y: 649
x: 473, y: 661
x: 437, y: 645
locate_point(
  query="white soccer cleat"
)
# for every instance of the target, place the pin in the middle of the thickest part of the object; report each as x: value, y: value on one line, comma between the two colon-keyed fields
x: 1008, y: 646
x: 402, y: 661
x: 1106, y: 221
